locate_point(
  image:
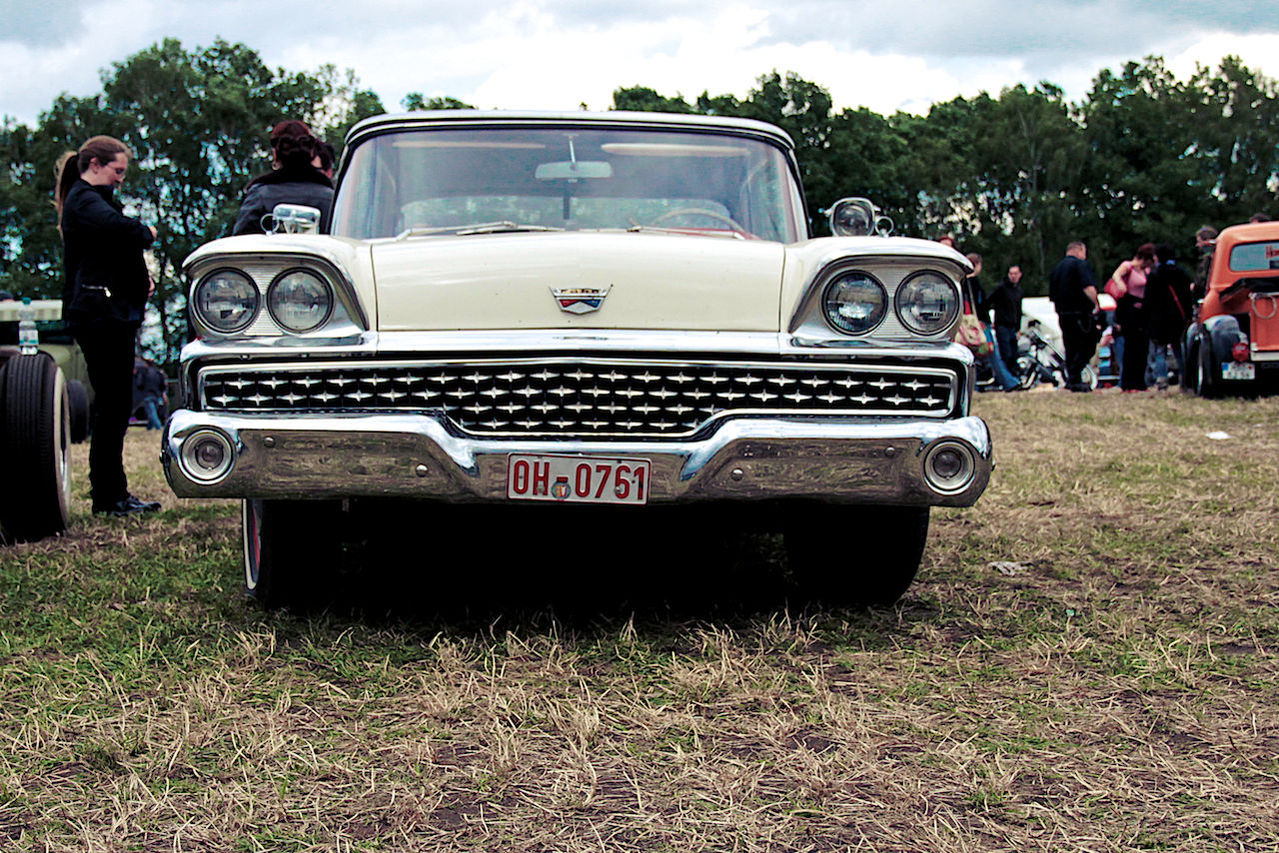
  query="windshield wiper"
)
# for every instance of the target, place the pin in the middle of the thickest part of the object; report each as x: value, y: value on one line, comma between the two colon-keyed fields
x: 503, y: 227
x: 479, y: 228
x: 690, y: 232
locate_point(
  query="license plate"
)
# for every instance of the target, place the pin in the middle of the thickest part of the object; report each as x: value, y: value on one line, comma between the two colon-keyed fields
x: 1236, y: 370
x: 577, y: 479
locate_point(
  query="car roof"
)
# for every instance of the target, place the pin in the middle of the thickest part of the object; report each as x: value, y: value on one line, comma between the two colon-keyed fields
x: 671, y: 121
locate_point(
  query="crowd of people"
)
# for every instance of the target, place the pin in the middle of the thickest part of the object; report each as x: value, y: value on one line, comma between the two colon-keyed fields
x: 107, y: 282
x: 1142, y: 311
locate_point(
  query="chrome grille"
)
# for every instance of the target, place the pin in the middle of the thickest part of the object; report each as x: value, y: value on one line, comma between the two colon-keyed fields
x: 581, y: 397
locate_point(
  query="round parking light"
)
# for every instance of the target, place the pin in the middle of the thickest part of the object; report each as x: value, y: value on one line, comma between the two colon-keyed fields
x: 207, y: 456
x: 949, y: 467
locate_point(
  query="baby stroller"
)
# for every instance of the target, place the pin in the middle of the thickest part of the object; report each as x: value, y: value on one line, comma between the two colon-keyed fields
x: 1039, y: 361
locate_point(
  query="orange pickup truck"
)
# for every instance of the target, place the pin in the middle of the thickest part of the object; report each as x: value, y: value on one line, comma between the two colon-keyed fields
x: 1233, y: 345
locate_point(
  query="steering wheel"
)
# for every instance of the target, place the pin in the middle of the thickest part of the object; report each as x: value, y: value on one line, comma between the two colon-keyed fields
x: 701, y: 211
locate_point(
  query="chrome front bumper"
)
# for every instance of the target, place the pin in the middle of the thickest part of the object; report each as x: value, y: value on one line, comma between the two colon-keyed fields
x: 416, y: 456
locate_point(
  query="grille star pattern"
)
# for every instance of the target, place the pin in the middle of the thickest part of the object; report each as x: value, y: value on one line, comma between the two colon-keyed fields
x: 581, y: 397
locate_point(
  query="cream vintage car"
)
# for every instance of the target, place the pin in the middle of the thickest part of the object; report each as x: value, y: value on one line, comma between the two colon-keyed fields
x: 562, y: 310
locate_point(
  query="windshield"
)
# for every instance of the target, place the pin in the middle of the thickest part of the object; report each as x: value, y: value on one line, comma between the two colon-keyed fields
x: 520, y: 178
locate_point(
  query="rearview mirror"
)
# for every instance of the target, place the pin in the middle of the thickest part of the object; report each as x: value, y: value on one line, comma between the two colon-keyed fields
x: 569, y: 170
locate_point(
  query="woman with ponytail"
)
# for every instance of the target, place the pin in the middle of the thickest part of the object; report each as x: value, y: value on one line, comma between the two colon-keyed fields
x: 294, y: 179
x: 103, y: 300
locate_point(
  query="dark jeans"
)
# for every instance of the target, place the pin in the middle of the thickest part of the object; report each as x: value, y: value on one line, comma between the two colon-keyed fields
x: 1079, y: 335
x: 1132, y: 375
x: 108, y: 354
x: 1006, y: 337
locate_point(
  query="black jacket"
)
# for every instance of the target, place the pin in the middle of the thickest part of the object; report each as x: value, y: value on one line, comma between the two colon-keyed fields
x: 1067, y: 283
x: 1168, y: 303
x: 284, y: 186
x: 106, y: 278
x: 1005, y: 301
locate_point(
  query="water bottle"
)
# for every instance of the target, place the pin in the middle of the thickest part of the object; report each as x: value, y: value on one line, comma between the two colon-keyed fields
x: 28, y: 337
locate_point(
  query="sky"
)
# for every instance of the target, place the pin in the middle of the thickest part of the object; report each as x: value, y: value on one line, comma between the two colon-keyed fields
x: 886, y: 55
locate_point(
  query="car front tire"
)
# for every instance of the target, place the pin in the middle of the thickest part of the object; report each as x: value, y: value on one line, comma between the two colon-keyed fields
x: 854, y: 555
x: 291, y: 549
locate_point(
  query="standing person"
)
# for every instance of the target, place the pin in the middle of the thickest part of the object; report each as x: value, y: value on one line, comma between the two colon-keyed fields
x: 1128, y: 285
x: 103, y: 298
x: 1072, y: 286
x: 151, y: 390
x: 975, y: 303
x: 1005, y: 303
x: 1205, y: 242
x: 1167, y: 310
x: 293, y: 179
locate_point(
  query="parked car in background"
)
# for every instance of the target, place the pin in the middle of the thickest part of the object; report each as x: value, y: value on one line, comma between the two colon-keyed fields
x: 1232, y: 346
x: 600, y: 312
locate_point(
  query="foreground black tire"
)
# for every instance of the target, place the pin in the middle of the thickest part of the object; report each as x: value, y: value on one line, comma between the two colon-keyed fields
x: 36, y: 430
x: 1190, y: 371
x: 78, y: 410
x: 291, y: 550
x: 854, y: 555
x: 1206, y: 381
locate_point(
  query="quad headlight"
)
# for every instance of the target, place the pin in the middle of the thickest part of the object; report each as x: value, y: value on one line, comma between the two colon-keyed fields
x: 855, y: 303
x: 926, y: 303
x: 226, y: 301
x: 299, y: 300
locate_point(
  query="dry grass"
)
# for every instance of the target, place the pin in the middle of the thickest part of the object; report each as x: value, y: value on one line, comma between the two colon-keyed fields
x: 1112, y: 688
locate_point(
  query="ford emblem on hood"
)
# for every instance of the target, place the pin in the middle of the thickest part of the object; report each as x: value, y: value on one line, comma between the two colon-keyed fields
x: 580, y: 300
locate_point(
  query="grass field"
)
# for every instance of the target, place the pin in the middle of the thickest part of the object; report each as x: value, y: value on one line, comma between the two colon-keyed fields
x: 1087, y: 662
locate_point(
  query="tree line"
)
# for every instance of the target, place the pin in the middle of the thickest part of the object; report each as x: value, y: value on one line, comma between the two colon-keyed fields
x: 1142, y: 157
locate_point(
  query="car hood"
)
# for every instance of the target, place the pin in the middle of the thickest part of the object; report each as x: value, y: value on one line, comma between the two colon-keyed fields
x: 511, y: 281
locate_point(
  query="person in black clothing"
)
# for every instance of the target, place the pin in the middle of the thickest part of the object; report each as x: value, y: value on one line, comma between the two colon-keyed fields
x: 294, y: 179
x: 150, y: 391
x: 1205, y: 242
x: 1167, y: 308
x: 1005, y: 304
x: 1072, y: 287
x: 103, y: 299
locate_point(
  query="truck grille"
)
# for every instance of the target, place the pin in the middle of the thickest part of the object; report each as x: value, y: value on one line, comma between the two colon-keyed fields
x: 581, y: 397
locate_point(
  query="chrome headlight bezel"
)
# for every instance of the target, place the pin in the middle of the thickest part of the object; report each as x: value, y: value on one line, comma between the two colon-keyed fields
x: 905, y: 298
x: 250, y: 298
x: 850, y: 287
x: 203, y: 469
x: 277, y: 294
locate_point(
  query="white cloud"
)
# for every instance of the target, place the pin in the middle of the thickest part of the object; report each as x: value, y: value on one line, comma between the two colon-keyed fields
x: 1258, y: 52
x: 557, y: 54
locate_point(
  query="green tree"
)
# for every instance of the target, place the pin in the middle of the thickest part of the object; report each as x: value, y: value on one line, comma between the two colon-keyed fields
x: 414, y: 101
x: 197, y: 123
x: 1142, y: 181
x: 1235, y: 118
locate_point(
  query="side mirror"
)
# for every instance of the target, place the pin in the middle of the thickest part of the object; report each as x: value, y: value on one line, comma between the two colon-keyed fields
x: 857, y: 217
x: 295, y: 219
